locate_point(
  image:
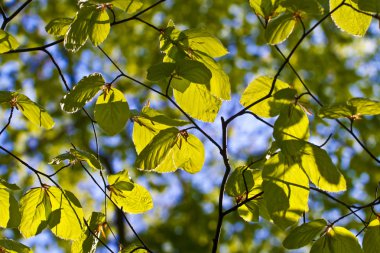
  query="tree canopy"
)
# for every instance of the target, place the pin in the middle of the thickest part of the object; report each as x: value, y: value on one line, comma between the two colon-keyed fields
x: 197, y: 126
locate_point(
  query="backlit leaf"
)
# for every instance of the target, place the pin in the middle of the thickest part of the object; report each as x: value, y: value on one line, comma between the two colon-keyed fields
x: 121, y: 181
x: 304, y: 234
x: 99, y: 27
x: 348, y: 19
x: 6, y: 96
x: 337, y: 240
x: 259, y: 88
x: 354, y: 108
x: 35, y: 208
x: 371, y: 240
x: 310, y: 7
x: 280, y: 28
x: 10, y: 246
x: 198, y: 102
x: 160, y: 71
x: 193, y: 71
x: 240, y: 181
x: 112, y: 111
x: 66, y: 218
x: 76, y: 155
x: 59, y: 26
x: 7, y: 42
x: 267, y: 8
x: 10, y: 214
x: 5, y: 185
x: 138, y: 200
x: 369, y: 5
x: 82, y: 93
x: 286, y: 190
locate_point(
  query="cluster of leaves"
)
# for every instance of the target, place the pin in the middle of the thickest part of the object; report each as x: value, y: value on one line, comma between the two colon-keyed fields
x: 276, y: 189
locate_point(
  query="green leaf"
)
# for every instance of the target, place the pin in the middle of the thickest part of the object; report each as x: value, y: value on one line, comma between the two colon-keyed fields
x: 292, y: 123
x: 112, y: 111
x: 369, y: 5
x: 267, y: 8
x: 203, y: 41
x: 121, y: 181
x: 10, y: 246
x: 240, y: 181
x: 35, y: 208
x: 99, y: 26
x: 76, y: 155
x: 7, y: 42
x: 354, y: 108
x: 258, y: 89
x: 6, y: 96
x: 286, y: 190
x: 5, y: 185
x: 310, y: 7
x: 87, y: 243
x: 304, y: 234
x: 148, y: 124
x: 130, y: 6
x: 10, y: 214
x: 171, y: 149
x: 138, y: 200
x: 249, y: 212
x: 337, y: 240
x: 280, y: 28
x: 82, y: 93
x: 198, y: 102
x: 371, y: 240
x: 194, y: 71
x: 33, y: 111
x: 348, y: 19
x: 66, y: 218
x: 160, y: 71
x: 134, y: 248
x: 58, y: 26
x: 320, y: 169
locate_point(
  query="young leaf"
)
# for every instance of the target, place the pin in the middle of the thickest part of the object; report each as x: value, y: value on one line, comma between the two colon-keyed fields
x: 292, y: 123
x: 286, y: 190
x: 112, y: 111
x: 160, y: 71
x: 82, y: 93
x: 337, y: 240
x: 304, y: 234
x: 259, y: 88
x: 267, y: 8
x: 194, y: 71
x: 249, y: 212
x: 203, y: 41
x: 121, y: 181
x: 336, y: 111
x: 198, y: 102
x: 354, y: 108
x: 66, y: 218
x: 6, y: 96
x: 35, y: 208
x: 171, y: 149
x: 33, y: 111
x: 87, y: 243
x: 7, y: 42
x: 10, y: 246
x: 129, y: 6
x: 348, y: 19
x: 240, y: 181
x: 99, y: 27
x: 311, y: 7
x: 279, y: 29
x: 5, y: 185
x: 148, y: 124
x: 76, y: 155
x: 58, y: 26
x: 371, y: 240
x: 364, y: 106
x: 134, y: 248
x: 369, y: 5
x: 138, y: 200
x: 10, y: 215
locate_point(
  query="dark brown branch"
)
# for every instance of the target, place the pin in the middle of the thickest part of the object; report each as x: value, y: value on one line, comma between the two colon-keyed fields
x: 13, y: 15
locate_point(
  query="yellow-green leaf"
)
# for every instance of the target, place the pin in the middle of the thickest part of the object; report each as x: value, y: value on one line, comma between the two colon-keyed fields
x: 10, y: 246
x: 82, y: 93
x: 337, y: 240
x: 138, y: 200
x: 286, y: 190
x: 10, y: 214
x: 303, y: 235
x: 34, y: 112
x: 58, y: 26
x: 240, y: 181
x: 99, y: 27
x: 259, y: 88
x: 87, y: 242
x: 280, y: 28
x: 310, y: 7
x: 198, y: 102
x: 121, y: 181
x: 112, y: 111
x: 371, y: 240
x: 35, y: 208
x: 76, y: 155
x: 7, y: 42
x: 267, y: 8
x: 348, y: 19
x: 66, y: 218
x: 369, y: 5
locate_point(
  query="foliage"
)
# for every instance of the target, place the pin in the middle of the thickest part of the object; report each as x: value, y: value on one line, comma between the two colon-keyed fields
x: 172, y: 179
